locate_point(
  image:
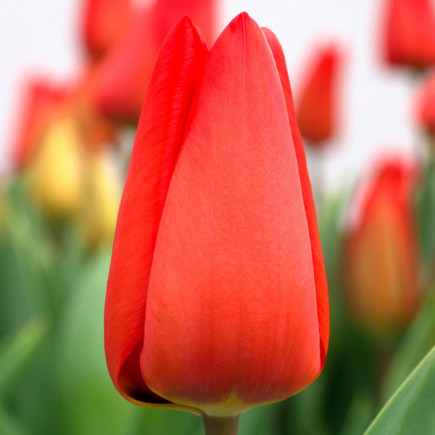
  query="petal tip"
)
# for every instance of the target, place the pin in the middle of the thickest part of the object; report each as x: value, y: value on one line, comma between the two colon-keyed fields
x: 241, y: 21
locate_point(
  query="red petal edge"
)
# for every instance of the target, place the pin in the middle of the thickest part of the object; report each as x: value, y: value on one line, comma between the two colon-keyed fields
x: 318, y: 263
x: 160, y: 131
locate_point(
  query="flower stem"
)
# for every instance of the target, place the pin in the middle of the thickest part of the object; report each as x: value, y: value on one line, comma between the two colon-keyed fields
x: 220, y: 425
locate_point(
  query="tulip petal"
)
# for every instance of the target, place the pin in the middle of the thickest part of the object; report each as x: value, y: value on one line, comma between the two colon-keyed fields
x: 156, y: 147
x: 231, y: 318
x: 307, y: 194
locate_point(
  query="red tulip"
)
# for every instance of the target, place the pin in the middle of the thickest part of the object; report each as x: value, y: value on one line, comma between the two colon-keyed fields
x: 317, y: 104
x: 217, y: 295
x: 426, y: 105
x: 380, y: 251
x: 127, y: 71
x: 409, y: 33
x: 104, y: 22
x: 42, y: 102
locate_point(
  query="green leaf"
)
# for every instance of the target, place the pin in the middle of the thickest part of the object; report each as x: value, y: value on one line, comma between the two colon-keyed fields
x: 304, y: 411
x: 410, y: 409
x: 10, y: 425
x: 415, y: 344
x: 426, y: 218
x: 17, y: 349
x: 88, y: 402
x: 26, y: 260
x: 359, y: 415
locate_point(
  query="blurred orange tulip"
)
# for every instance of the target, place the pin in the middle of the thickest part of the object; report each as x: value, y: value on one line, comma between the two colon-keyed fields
x: 317, y: 107
x: 410, y: 33
x: 380, y: 252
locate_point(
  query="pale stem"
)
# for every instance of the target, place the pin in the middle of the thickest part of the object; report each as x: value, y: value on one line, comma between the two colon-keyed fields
x: 220, y: 425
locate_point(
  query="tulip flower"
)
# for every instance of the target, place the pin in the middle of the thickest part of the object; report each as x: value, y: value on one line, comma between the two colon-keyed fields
x: 380, y: 257
x: 42, y: 102
x: 104, y: 22
x: 217, y: 294
x: 426, y: 105
x: 126, y: 72
x: 409, y: 33
x: 318, y: 104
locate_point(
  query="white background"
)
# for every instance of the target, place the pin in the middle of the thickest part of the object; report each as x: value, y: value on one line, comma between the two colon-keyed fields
x: 42, y: 36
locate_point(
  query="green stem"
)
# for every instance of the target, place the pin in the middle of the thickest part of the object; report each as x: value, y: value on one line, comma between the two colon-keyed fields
x: 220, y: 425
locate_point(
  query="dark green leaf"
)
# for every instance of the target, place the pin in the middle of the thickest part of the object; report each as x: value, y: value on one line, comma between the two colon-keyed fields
x: 410, y: 409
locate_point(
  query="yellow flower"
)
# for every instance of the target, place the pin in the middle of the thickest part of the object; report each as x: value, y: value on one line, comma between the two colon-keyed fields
x: 56, y: 173
x: 100, y: 201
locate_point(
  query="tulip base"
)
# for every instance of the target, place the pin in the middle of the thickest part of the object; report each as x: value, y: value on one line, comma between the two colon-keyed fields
x: 220, y: 425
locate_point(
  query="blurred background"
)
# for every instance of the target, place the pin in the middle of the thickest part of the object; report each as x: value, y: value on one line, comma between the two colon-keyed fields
x: 43, y: 38
x: 364, y: 89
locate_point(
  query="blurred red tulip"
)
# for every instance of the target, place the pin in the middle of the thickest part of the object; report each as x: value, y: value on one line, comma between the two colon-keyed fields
x: 104, y: 22
x: 46, y: 103
x: 317, y: 107
x: 126, y: 72
x: 380, y: 257
x: 410, y: 33
x: 42, y: 102
x: 217, y: 295
x: 426, y: 105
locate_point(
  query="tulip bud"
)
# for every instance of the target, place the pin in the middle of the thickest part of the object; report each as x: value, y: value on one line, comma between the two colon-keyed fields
x: 126, y: 72
x: 409, y: 33
x: 318, y: 104
x: 104, y: 22
x: 100, y: 200
x: 217, y: 296
x: 55, y: 173
x: 380, y: 256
